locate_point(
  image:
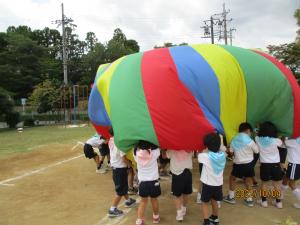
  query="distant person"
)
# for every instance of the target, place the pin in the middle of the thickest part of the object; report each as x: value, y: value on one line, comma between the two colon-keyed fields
x: 181, y: 164
x: 146, y: 155
x: 270, y: 169
x: 94, y: 142
x: 213, y: 160
x: 119, y: 166
x: 243, y: 148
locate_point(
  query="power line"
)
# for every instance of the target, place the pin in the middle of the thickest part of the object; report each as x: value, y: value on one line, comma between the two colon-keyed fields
x: 220, y: 20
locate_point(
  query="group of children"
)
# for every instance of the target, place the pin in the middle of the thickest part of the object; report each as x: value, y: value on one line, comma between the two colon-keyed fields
x: 212, y: 162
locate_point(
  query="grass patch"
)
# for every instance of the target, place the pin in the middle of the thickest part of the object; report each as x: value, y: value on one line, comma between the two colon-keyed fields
x: 31, y: 138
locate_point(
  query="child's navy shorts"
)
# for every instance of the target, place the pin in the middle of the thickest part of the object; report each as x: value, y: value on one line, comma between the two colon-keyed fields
x: 120, y: 178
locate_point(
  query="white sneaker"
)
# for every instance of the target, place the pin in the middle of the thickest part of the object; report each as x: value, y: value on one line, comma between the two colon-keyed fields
x: 278, y: 205
x: 198, y: 199
x: 179, y: 216
x: 101, y: 170
x: 297, y: 205
x: 263, y: 204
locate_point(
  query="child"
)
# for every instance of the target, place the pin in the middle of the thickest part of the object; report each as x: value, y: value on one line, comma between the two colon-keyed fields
x: 146, y: 155
x: 181, y: 165
x: 293, y: 170
x: 227, y: 153
x: 104, y: 152
x: 94, y: 142
x: 243, y: 148
x: 119, y: 170
x: 270, y: 169
x: 212, y: 177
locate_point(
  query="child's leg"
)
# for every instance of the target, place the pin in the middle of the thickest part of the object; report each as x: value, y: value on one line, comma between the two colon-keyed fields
x: 296, y: 191
x: 263, y: 190
x: 130, y: 178
x: 142, y: 207
x: 215, y: 208
x: 155, y: 207
x: 178, y: 202
x: 101, y: 161
x: 249, y: 184
x: 97, y: 160
x: 205, y: 211
x: 232, y: 184
x: 292, y: 184
x: 116, y: 200
x: 184, y: 200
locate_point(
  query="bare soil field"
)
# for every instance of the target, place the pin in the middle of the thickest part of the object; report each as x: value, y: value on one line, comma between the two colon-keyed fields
x: 56, y: 185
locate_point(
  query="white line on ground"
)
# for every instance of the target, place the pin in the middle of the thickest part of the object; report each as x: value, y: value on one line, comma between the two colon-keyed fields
x: 78, y: 143
x: 6, y: 182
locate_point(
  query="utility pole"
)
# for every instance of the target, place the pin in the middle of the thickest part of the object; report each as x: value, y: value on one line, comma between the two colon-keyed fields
x: 65, y: 64
x: 222, y: 32
x: 212, y: 29
x: 225, y: 23
x: 65, y: 22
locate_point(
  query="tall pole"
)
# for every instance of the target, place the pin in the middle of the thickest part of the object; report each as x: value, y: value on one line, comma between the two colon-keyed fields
x: 225, y: 24
x: 212, y: 29
x: 65, y: 66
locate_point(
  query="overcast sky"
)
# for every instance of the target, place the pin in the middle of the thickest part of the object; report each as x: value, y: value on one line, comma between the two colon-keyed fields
x: 152, y: 22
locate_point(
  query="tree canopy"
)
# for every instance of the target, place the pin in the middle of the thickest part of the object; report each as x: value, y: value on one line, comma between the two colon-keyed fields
x: 29, y: 57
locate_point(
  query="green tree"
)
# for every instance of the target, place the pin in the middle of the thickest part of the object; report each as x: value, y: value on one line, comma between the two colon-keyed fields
x: 119, y: 46
x: 6, y: 109
x: 91, y: 40
x: 289, y: 54
x: 91, y: 62
x: 21, y: 63
x: 45, y: 97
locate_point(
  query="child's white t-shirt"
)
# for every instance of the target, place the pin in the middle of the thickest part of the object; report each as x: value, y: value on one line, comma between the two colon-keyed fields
x: 94, y: 141
x: 269, y: 153
x: 180, y: 160
x: 148, y: 172
x: 116, y: 160
x: 244, y: 155
x: 208, y: 176
x: 293, y: 151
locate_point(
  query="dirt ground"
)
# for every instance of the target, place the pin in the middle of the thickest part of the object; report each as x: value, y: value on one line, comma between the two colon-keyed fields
x: 71, y: 193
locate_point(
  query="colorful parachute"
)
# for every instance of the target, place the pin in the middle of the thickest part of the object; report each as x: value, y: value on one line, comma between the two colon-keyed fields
x: 172, y: 97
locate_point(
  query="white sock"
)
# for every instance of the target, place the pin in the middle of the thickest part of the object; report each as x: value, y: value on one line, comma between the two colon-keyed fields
x: 112, y: 208
x: 297, y: 193
x: 183, y: 208
x: 179, y: 211
x: 139, y: 221
x: 156, y: 216
x: 231, y: 194
x: 199, y: 195
x: 284, y: 187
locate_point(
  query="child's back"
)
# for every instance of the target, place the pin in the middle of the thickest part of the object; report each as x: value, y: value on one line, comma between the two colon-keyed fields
x: 268, y: 149
x: 293, y: 147
x: 147, y: 164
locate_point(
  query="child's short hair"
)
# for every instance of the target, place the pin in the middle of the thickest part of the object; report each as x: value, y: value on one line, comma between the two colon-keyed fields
x: 111, y: 131
x: 267, y: 129
x: 146, y: 145
x: 212, y: 141
x: 244, y: 127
